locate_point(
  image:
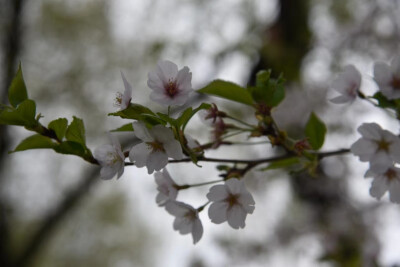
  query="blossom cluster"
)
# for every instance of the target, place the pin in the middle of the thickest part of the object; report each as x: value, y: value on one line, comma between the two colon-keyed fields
x: 230, y: 202
x: 379, y: 147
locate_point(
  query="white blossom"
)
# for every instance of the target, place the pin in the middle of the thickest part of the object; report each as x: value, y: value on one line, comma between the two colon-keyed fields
x: 166, y: 187
x: 386, y: 180
x: 186, y: 219
x: 170, y: 86
x: 158, y: 144
x: 231, y: 202
x: 347, y: 84
x: 110, y: 158
x: 380, y: 147
x: 388, y: 78
x: 123, y: 100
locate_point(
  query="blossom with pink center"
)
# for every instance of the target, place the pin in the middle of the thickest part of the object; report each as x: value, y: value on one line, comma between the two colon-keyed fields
x: 380, y: 147
x: 388, y: 78
x: 170, y: 86
x: 231, y: 202
x: 123, y: 100
x: 158, y: 145
x: 166, y: 187
x: 186, y: 219
x: 347, y: 84
x: 385, y: 180
x: 111, y: 159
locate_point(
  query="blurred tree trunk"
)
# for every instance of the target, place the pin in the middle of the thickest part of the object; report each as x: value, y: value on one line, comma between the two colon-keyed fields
x: 11, y: 46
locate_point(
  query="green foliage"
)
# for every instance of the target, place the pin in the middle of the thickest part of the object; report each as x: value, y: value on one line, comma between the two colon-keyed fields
x: 315, y: 131
x: 36, y: 141
x: 72, y: 148
x: 124, y: 128
x: 283, y: 163
x: 59, y: 126
x: 17, y: 92
x: 383, y: 102
x: 189, y: 113
x: 76, y: 131
x: 267, y: 90
x: 134, y: 112
x: 228, y: 90
x: 23, y: 115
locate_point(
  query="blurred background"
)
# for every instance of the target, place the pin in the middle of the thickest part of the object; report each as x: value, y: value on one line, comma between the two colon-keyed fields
x: 56, y: 211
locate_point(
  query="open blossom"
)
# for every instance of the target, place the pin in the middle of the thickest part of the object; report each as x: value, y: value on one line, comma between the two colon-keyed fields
x: 170, y: 86
x: 380, y: 147
x: 166, y: 187
x: 388, y: 78
x: 158, y: 145
x: 231, y: 202
x: 111, y: 159
x: 123, y: 100
x: 347, y: 84
x: 385, y: 180
x: 186, y: 219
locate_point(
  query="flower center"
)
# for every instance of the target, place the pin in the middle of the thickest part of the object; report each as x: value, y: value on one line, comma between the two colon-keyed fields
x: 383, y: 145
x: 190, y: 215
x: 171, y: 88
x: 395, y: 82
x: 118, y: 99
x: 156, y: 146
x: 232, y: 200
x: 390, y: 174
x: 112, y: 158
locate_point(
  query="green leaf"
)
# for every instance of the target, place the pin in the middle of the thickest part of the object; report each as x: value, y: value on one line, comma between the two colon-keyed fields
x: 315, y: 131
x: 124, y: 128
x: 228, y: 90
x: 134, y: 112
x: 17, y: 92
x: 76, y: 131
x: 36, y: 141
x: 23, y: 115
x: 59, y: 126
x: 383, y: 102
x: 71, y: 148
x: 151, y: 120
x: 167, y: 118
x: 189, y: 113
x: 284, y: 163
x: 268, y: 91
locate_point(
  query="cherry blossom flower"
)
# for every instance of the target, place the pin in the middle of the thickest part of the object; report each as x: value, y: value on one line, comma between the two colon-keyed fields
x: 386, y: 180
x: 166, y: 187
x: 186, y: 219
x: 110, y: 158
x: 210, y: 116
x: 123, y: 100
x: 347, y: 84
x: 170, y: 86
x: 158, y: 144
x: 380, y: 147
x: 388, y: 78
x: 231, y: 202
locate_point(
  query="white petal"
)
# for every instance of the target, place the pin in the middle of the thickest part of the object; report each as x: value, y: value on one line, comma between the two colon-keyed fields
x: 162, y: 133
x: 246, y: 199
x: 127, y: 96
x: 217, y: 212
x: 370, y: 131
x: 156, y: 161
x: 217, y: 193
x: 183, y: 225
x: 236, y: 217
x: 394, y: 190
x: 154, y: 82
x: 234, y: 186
x: 101, y: 153
x: 178, y: 209
x: 364, y: 149
x: 174, y: 149
x: 341, y: 99
x: 197, y: 231
x: 120, y: 169
x: 382, y: 73
x: 161, y: 98
x: 395, y: 65
x: 378, y: 187
x: 107, y: 172
x: 184, y: 79
x: 141, y: 131
x: 167, y: 70
x: 138, y: 154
